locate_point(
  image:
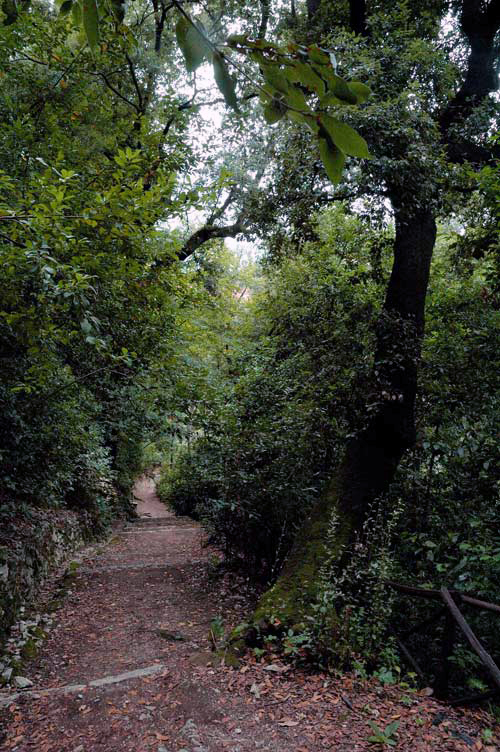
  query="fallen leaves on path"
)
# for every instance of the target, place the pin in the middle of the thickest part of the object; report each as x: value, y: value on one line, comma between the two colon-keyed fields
x: 157, y: 581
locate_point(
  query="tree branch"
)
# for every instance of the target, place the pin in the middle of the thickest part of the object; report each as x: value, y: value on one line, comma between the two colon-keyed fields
x: 160, y: 17
x: 11, y: 240
x: 479, y: 25
x: 151, y: 173
x: 209, y: 232
x: 115, y: 91
x: 136, y: 84
x: 217, y: 213
x: 197, y: 239
x: 265, y: 6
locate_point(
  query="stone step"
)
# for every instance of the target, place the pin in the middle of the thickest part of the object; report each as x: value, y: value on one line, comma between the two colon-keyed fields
x: 148, y: 522
x: 7, y: 697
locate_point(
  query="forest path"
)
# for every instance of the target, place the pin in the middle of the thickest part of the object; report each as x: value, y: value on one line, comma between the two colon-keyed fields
x: 148, y: 503
x: 128, y: 668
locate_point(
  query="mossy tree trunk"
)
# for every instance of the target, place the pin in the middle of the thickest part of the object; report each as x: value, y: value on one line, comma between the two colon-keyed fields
x: 372, y: 456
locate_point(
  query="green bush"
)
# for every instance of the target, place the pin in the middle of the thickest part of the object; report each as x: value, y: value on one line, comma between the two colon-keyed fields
x: 266, y: 449
x: 264, y: 455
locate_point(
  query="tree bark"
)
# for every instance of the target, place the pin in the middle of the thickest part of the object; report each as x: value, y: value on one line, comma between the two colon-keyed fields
x: 357, y: 17
x: 480, y: 24
x: 312, y: 8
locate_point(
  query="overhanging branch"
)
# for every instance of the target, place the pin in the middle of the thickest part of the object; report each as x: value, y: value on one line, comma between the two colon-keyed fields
x: 200, y: 237
x: 209, y: 232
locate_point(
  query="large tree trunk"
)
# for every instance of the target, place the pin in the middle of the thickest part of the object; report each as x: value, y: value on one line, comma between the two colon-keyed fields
x: 372, y: 456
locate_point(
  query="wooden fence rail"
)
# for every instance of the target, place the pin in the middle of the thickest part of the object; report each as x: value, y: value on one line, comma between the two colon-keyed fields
x: 453, y: 619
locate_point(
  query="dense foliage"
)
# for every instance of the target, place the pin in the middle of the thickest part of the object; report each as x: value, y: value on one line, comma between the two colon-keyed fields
x: 83, y: 318
x: 267, y: 451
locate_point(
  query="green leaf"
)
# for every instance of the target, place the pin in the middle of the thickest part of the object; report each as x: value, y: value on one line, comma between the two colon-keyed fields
x: 194, y: 46
x: 266, y: 94
x: 332, y: 158
x: 304, y: 119
x: 275, y: 78
x: 304, y: 74
x: 361, y: 91
x: 345, y: 137
x: 257, y: 56
x: 330, y: 99
x: 317, y: 55
x: 339, y: 87
x: 391, y: 728
x: 273, y: 112
x: 91, y: 22
x: 295, y: 98
x: 224, y: 81
x: 234, y: 40
x: 86, y: 326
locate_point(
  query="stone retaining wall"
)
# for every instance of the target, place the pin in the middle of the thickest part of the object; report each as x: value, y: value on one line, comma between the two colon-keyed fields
x: 30, y: 548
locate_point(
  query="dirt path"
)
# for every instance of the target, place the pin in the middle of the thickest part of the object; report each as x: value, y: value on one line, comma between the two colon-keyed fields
x: 128, y: 668
x: 148, y: 503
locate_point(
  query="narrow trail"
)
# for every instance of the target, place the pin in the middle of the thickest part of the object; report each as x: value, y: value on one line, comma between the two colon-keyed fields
x: 148, y: 503
x: 128, y: 667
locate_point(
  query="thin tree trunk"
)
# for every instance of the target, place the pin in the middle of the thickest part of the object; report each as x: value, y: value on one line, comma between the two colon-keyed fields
x: 312, y: 8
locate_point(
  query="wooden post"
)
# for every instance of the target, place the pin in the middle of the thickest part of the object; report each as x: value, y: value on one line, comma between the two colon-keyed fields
x: 409, y: 657
x: 485, y: 657
x: 441, y: 686
x: 454, y: 618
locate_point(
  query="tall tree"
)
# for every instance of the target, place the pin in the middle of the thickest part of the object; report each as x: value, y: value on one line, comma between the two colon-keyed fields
x: 427, y: 124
